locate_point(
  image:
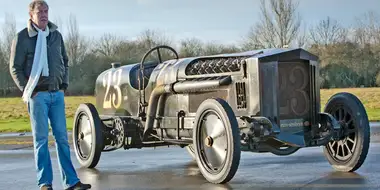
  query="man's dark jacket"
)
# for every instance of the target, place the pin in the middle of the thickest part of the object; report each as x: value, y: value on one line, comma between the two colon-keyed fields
x: 22, y: 55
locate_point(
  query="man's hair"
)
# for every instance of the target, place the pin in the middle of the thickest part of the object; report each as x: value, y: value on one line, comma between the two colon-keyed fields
x: 36, y: 3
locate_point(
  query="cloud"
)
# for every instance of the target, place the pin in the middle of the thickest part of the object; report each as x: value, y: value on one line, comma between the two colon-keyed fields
x: 163, y: 3
x: 148, y: 2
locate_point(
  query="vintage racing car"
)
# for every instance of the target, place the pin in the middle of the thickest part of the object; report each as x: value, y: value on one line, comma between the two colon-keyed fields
x: 217, y: 106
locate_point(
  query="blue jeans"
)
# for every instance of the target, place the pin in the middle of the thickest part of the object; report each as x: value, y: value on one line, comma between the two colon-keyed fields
x: 43, y: 106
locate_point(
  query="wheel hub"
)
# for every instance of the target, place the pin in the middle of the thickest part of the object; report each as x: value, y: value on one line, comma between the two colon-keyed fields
x: 342, y: 149
x: 209, y: 141
x: 216, y: 141
x: 84, y: 136
x: 213, y: 142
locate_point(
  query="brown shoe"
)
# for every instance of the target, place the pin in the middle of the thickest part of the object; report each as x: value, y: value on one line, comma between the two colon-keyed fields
x: 46, y: 187
x: 80, y: 186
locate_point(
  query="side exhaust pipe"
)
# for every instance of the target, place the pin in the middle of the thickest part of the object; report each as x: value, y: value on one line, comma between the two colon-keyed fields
x: 203, y: 85
x: 178, y: 88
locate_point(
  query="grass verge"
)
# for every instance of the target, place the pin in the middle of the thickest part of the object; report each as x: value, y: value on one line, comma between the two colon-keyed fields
x: 14, y: 116
x: 22, y: 125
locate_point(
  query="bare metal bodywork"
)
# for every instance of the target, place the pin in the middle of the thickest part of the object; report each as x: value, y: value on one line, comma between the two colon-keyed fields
x: 262, y: 101
x: 278, y: 86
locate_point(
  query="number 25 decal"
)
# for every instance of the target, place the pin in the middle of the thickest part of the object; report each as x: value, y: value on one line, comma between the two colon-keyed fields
x: 112, y: 99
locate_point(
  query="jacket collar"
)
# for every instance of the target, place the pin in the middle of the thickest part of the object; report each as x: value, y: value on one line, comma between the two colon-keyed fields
x: 33, y: 32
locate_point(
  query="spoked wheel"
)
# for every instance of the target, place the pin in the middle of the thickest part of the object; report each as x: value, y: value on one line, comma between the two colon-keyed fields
x: 87, y: 135
x: 118, y: 136
x: 349, y: 153
x: 119, y: 132
x: 216, y: 141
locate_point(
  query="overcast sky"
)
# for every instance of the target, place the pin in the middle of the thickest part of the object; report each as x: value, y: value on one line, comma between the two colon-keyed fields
x: 213, y: 20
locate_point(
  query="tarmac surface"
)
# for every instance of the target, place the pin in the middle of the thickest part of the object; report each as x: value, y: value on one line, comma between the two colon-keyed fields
x: 173, y: 168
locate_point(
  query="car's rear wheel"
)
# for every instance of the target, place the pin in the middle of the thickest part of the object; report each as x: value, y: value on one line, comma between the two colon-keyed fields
x: 349, y: 153
x: 216, y: 141
x: 191, y: 151
x: 87, y: 135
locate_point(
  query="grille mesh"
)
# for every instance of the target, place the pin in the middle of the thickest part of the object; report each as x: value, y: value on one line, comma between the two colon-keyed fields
x: 241, y: 96
x: 215, y: 65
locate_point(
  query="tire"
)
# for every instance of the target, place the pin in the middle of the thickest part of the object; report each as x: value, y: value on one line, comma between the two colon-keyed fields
x: 191, y: 151
x: 347, y: 108
x: 221, y: 119
x: 284, y: 151
x: 87, y: 157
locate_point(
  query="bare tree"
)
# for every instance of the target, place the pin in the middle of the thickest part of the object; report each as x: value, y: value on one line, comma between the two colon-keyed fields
x: 76, y: 45
x: 58, y: 21
x: 278, y: 27
x: 327, y: 31
x: 107, y: 45
x: 3, y: 70
x: 8, y: 34
x: 302, y: 38
x: 191, y: 47
x: 367, y: 30
x: 149, y: 39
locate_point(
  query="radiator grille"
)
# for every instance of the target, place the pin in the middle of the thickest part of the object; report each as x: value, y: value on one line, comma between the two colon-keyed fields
x: 295, y: 90
x: 241, y: 96
x: 214, y: 65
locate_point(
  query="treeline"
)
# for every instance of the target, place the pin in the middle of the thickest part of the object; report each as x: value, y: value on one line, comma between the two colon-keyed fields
x: 349, y: 56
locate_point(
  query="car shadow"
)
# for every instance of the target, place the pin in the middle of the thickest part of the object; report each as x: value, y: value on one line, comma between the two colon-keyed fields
x: 341, y: 180
x: 186, y: 175
x: 291, y: 159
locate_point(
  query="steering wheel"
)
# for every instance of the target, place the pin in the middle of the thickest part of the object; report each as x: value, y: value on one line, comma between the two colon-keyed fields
x: 144, y: 104
x: 158, y: 52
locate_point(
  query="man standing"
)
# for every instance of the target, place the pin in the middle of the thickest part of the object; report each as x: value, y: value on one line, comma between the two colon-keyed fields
x: 39, y: 67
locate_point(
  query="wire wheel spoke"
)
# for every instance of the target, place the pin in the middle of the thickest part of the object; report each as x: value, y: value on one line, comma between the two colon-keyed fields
x: 349, y: 146
x: 120, y: 134
x: 342, y: 150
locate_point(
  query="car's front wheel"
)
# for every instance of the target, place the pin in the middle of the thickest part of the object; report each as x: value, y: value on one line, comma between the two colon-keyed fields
x: 87, y: 135
x: 348, y: 153
x: 216, y: 141
x: 191, y: 151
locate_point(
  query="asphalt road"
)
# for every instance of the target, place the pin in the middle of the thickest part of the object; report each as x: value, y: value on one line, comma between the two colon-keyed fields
x: 172, y: 168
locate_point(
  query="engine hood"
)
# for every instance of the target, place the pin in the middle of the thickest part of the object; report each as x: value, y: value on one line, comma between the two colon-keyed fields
x: 222, y: 64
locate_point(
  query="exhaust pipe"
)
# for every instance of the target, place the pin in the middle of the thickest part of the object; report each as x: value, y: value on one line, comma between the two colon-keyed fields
x: 175, y: 88
x: 203, y: 85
